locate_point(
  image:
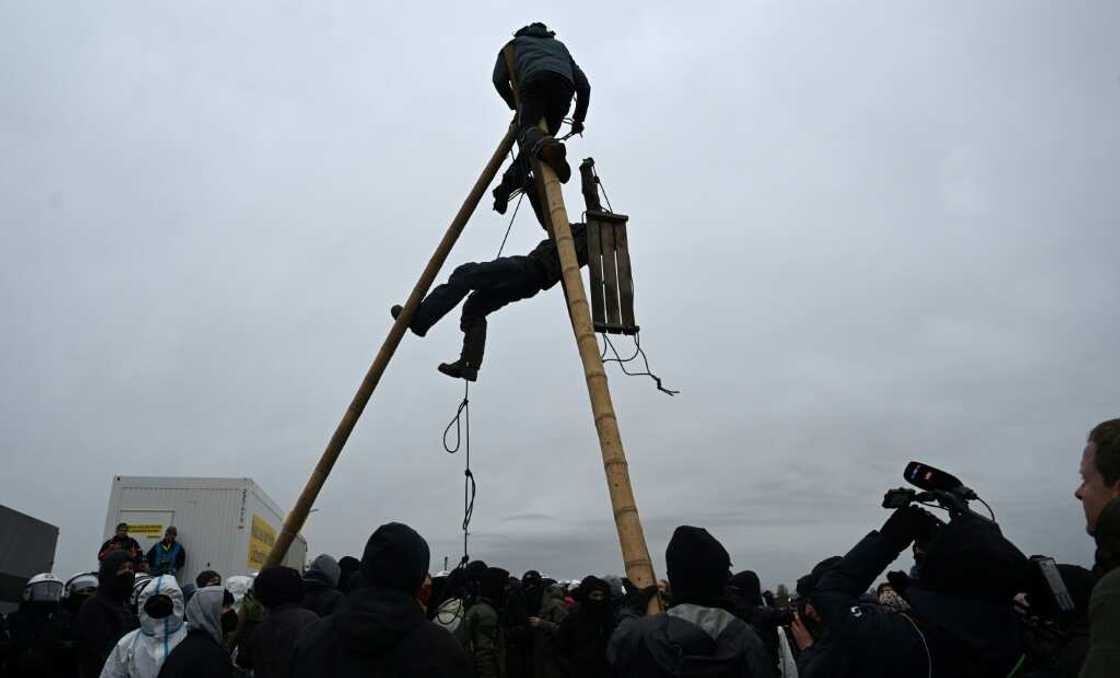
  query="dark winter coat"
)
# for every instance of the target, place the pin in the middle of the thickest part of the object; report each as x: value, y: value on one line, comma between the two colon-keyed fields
x: 126, y: 544
x: 688, y: 640
x: 197, y: 655
x: 581, y: 641
x: 538, y: 55
x: 1104, y: 603
x: 869, y: 642
x: 269, y: 650
x: 377, y: 633
x: 38, y: 642
x: 483, y: 639
x: 320, y: 586
x: 103, y: 619
x: 201, y: 652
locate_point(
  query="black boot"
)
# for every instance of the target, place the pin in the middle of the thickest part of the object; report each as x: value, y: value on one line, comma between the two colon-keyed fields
x: 501, y: 199
x: 474, y: 344
x: 395, y: 311
x: 554, y: 154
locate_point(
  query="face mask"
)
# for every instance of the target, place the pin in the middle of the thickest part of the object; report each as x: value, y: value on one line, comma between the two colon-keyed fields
x: 159, y: 607
x: 122, y: 583
x: 229, y: 621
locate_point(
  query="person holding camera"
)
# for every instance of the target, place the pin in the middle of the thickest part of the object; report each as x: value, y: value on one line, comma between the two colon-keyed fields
x: 961, y: 622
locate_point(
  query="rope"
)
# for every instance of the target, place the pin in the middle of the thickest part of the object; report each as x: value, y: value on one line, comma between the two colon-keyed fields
x: 622, y: 361
x: 599, y: 183
x: 510, y: 227
x: 462, y: 423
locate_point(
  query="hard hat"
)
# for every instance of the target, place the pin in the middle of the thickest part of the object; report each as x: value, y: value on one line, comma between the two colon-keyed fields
x: 82, y: 582
x: 43, y: 588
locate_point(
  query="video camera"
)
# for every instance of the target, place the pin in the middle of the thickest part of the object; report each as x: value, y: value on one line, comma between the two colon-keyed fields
x: 941, y: 489
x: 944, y: 490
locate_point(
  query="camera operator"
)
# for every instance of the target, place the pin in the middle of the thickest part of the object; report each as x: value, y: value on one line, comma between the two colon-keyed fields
x: 961, y: 622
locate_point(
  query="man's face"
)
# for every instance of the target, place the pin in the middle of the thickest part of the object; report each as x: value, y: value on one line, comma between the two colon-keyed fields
x: 122, y: 531
x: 169, y: 536
x: 125, y: 567
x: 1093, y: 492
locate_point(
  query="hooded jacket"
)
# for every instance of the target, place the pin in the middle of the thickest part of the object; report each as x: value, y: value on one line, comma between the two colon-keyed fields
x: 104, y: 618
x: 688, y: 640
x: 201, y: 652
x: 141, y: 653
x: 1104, y: 603
x: 320, y: 586
x: 537, y: 55
x: 581, y: 639
x: 379, y: 632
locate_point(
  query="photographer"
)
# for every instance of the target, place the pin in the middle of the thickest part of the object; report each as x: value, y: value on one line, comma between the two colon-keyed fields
x: 861, y: 640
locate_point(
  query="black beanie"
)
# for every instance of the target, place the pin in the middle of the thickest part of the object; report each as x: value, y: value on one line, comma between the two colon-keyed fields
x: 749, y: 586
x: 698, y: 566
x: 807, y: 584
x: 277, y: 586
x: 396, y: 558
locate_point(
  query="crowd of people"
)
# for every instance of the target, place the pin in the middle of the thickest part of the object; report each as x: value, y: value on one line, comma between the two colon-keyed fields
x: 973, y: 606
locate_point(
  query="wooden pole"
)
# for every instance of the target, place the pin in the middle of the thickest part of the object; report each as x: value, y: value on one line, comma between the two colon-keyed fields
x: 298, y: 515
x: 635, y: 553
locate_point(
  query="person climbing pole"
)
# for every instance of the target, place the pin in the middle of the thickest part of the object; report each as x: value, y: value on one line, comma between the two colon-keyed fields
x: 491, y: 285
x: 545, y: 76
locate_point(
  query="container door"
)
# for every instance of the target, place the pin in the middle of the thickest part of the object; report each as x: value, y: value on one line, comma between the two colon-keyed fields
x: 146, y: 526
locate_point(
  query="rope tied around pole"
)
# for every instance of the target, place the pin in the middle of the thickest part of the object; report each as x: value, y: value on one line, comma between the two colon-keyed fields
x: 462, y: 423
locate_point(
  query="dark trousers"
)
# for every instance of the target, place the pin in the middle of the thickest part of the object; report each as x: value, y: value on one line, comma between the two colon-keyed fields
x: 492, y: 285
x: 548, y: 97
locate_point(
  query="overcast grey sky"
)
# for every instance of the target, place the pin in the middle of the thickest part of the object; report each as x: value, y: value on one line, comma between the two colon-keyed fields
x: 862, y: 233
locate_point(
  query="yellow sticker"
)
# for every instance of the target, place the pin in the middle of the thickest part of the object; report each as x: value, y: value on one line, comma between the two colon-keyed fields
x: 261, y: 539
x: 145, y: 529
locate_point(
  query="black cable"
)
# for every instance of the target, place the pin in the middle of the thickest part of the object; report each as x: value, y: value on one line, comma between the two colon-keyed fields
x: 622, y: 362
x: 462, y: 424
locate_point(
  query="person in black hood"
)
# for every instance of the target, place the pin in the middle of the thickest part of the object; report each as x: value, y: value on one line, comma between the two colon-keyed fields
x: 348, y: 575
x: 744, y: 592
x: 268, y: 651
x: 381, y: 630
x: 581, y: 640
x: 542, y: 72
x: 105, y: 618
x: 695, y: 637
x: 320, y: 586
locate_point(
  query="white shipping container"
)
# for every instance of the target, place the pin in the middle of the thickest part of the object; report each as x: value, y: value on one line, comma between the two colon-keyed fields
x: 225, y: 524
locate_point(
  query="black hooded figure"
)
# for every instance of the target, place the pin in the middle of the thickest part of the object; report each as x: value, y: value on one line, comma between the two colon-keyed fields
x: 268, y: 650
x: 581, y: 640
x: 381, y: 629
x: 105, y: 618
x: 696, y: 637
x: 545, y: 76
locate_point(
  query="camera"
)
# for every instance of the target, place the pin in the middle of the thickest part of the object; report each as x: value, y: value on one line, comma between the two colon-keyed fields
x: 941, y: 489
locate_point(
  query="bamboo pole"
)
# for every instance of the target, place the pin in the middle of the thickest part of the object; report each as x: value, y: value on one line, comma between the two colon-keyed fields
x: 298, y: 515
x: 635, y: 553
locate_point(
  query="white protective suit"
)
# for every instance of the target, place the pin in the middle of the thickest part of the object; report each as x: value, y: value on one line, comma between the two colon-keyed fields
x: 141, y: 653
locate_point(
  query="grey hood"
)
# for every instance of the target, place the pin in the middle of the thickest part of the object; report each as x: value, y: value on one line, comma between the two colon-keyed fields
x: 324, y: 570
x: 204, y: 611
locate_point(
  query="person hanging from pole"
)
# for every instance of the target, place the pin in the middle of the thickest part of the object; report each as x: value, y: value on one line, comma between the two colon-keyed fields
x: 491, y: 285
x: 537, y: 76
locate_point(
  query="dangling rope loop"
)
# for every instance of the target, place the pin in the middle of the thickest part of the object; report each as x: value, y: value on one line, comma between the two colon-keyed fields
x: 462, y: 423
x: 622, y: 361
